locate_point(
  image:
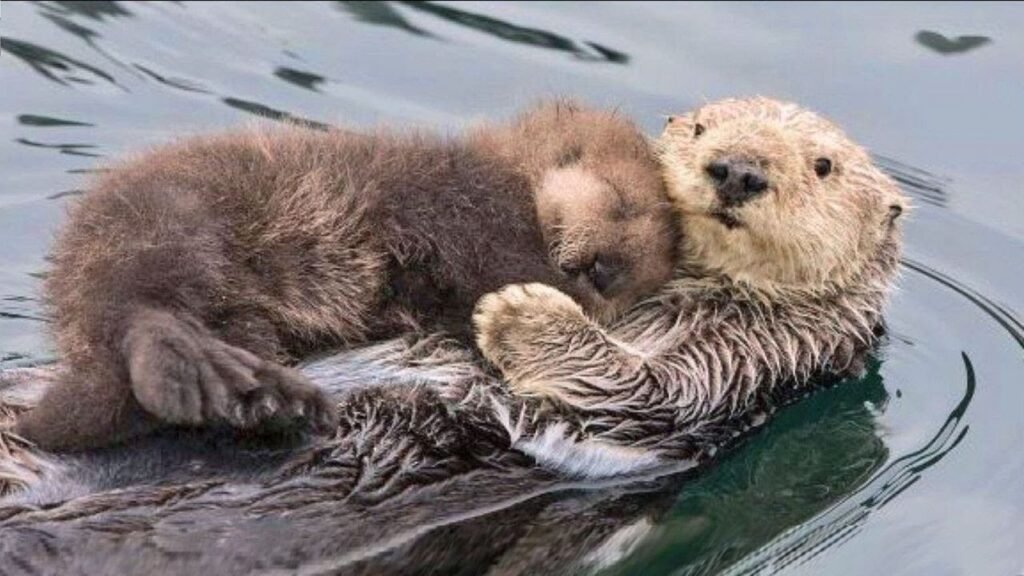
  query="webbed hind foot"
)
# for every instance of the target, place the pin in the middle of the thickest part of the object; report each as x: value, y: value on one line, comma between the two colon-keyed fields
x: 184, y: 375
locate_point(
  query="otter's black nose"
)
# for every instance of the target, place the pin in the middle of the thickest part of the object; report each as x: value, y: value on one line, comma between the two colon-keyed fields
x: 736, y: 180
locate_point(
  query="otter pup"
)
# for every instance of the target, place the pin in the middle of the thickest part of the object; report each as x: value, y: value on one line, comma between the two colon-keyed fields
x: 791, y: 246
x: 187, y: 278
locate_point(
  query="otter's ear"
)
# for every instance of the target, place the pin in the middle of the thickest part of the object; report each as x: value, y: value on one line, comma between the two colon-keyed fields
x: 895, y: 211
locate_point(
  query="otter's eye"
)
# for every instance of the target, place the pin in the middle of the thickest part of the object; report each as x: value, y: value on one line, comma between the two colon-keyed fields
x: 698, y: 130
x: 570, y: 156
x: 822, y: 167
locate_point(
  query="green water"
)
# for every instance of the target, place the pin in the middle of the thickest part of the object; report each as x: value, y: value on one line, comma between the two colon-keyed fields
x: 916, y: 469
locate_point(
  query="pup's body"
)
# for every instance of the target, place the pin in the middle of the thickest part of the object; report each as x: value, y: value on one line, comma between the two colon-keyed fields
x: 187, y: 277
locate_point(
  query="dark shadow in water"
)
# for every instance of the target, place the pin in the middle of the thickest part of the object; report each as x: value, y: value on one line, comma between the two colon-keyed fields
x: 20, y: 308
x: 809, y: 457
x: 16, y: 316
x: 47, y: 121
x: 265, y: 111
x: 846, y: 518
x: 86, y: 170
x: 94, y: 9
x: 51, y: 64
x: 920, y: 184
x: 62, y: 14
x: 177, y: 83
x: 11, y: 357
x: 380, y: 14
x: 72, y: 149
x: 947, y: 46
x: 85, y: 33
x: 520, y: 34
x: 65, y: 194
x: 306, y: 80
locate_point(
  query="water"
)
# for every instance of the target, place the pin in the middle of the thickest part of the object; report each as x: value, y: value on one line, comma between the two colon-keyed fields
x: 916, y: 469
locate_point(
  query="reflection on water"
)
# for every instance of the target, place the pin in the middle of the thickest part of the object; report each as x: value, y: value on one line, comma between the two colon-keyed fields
x: 920, y: 184
x: 306, y: 80
x: 809, y: 458
x: 72, y: 149
x: 20, y: 308
x: 382, y: 14
x: 1003, y: 316
x: 52, y: 64
x: 945, y: 45
x: 520, y: 34
x: 177, y: 83
x: 59, y: 13
x: 842, y: 521
x: 44, y: 121
x: 264, y: 111
x: 97, y: 10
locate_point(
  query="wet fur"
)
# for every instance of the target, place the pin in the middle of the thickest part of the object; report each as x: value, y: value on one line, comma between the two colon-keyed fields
x: 419, y: 474
x: 188, y: 277
x: 678, y: 378
x: 795, y: 291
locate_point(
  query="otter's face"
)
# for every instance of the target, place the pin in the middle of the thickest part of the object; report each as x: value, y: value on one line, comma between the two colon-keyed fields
x: 772, y: 194
x: 610, y: 231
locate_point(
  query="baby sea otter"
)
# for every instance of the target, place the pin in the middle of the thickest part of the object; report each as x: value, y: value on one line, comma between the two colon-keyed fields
x: 790, y: 247
x: 187, y: 278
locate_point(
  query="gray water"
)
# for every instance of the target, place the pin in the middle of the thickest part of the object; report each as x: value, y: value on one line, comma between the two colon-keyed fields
x: 915, y: 469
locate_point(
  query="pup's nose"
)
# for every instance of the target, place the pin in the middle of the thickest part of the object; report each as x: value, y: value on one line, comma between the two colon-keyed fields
x: 602, y: 275
x: 736, y: 179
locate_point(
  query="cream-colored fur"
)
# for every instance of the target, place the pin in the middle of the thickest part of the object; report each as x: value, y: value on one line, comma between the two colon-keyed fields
x: 807, y: 232
x: 787, y: 286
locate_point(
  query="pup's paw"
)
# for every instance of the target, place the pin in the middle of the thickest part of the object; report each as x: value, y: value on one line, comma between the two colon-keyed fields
x: 520, y: 321
x: 183, y: 375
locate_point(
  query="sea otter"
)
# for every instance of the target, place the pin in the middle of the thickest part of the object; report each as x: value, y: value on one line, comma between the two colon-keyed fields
x: 791, y: 244
x: 428, y: 437
x: 187, y: 278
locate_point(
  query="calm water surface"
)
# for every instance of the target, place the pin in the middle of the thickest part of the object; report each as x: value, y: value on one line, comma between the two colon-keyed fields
x: 915, y: 469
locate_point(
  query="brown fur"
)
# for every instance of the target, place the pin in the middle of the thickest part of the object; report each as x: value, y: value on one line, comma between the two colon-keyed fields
x: 790, y: 285
x: 187, y: 276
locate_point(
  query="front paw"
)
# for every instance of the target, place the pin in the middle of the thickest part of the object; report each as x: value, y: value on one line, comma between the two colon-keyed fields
x: 519, y: 323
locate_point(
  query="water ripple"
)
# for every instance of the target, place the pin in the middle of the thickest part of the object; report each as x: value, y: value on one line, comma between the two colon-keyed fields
x: 847, y: 517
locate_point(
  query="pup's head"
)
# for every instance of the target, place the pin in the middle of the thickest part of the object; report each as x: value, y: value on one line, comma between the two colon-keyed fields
x: 775, y: 196
x: 610, y: 230
x: 600, y: 199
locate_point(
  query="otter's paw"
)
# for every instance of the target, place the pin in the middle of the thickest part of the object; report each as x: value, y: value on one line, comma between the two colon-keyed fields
x: 518, y: 323
x: 182, y: 375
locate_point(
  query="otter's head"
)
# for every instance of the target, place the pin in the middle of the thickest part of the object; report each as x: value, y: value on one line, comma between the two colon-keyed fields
x: 600, y: 199
x: 610, y: 230
x: 775, y: 196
